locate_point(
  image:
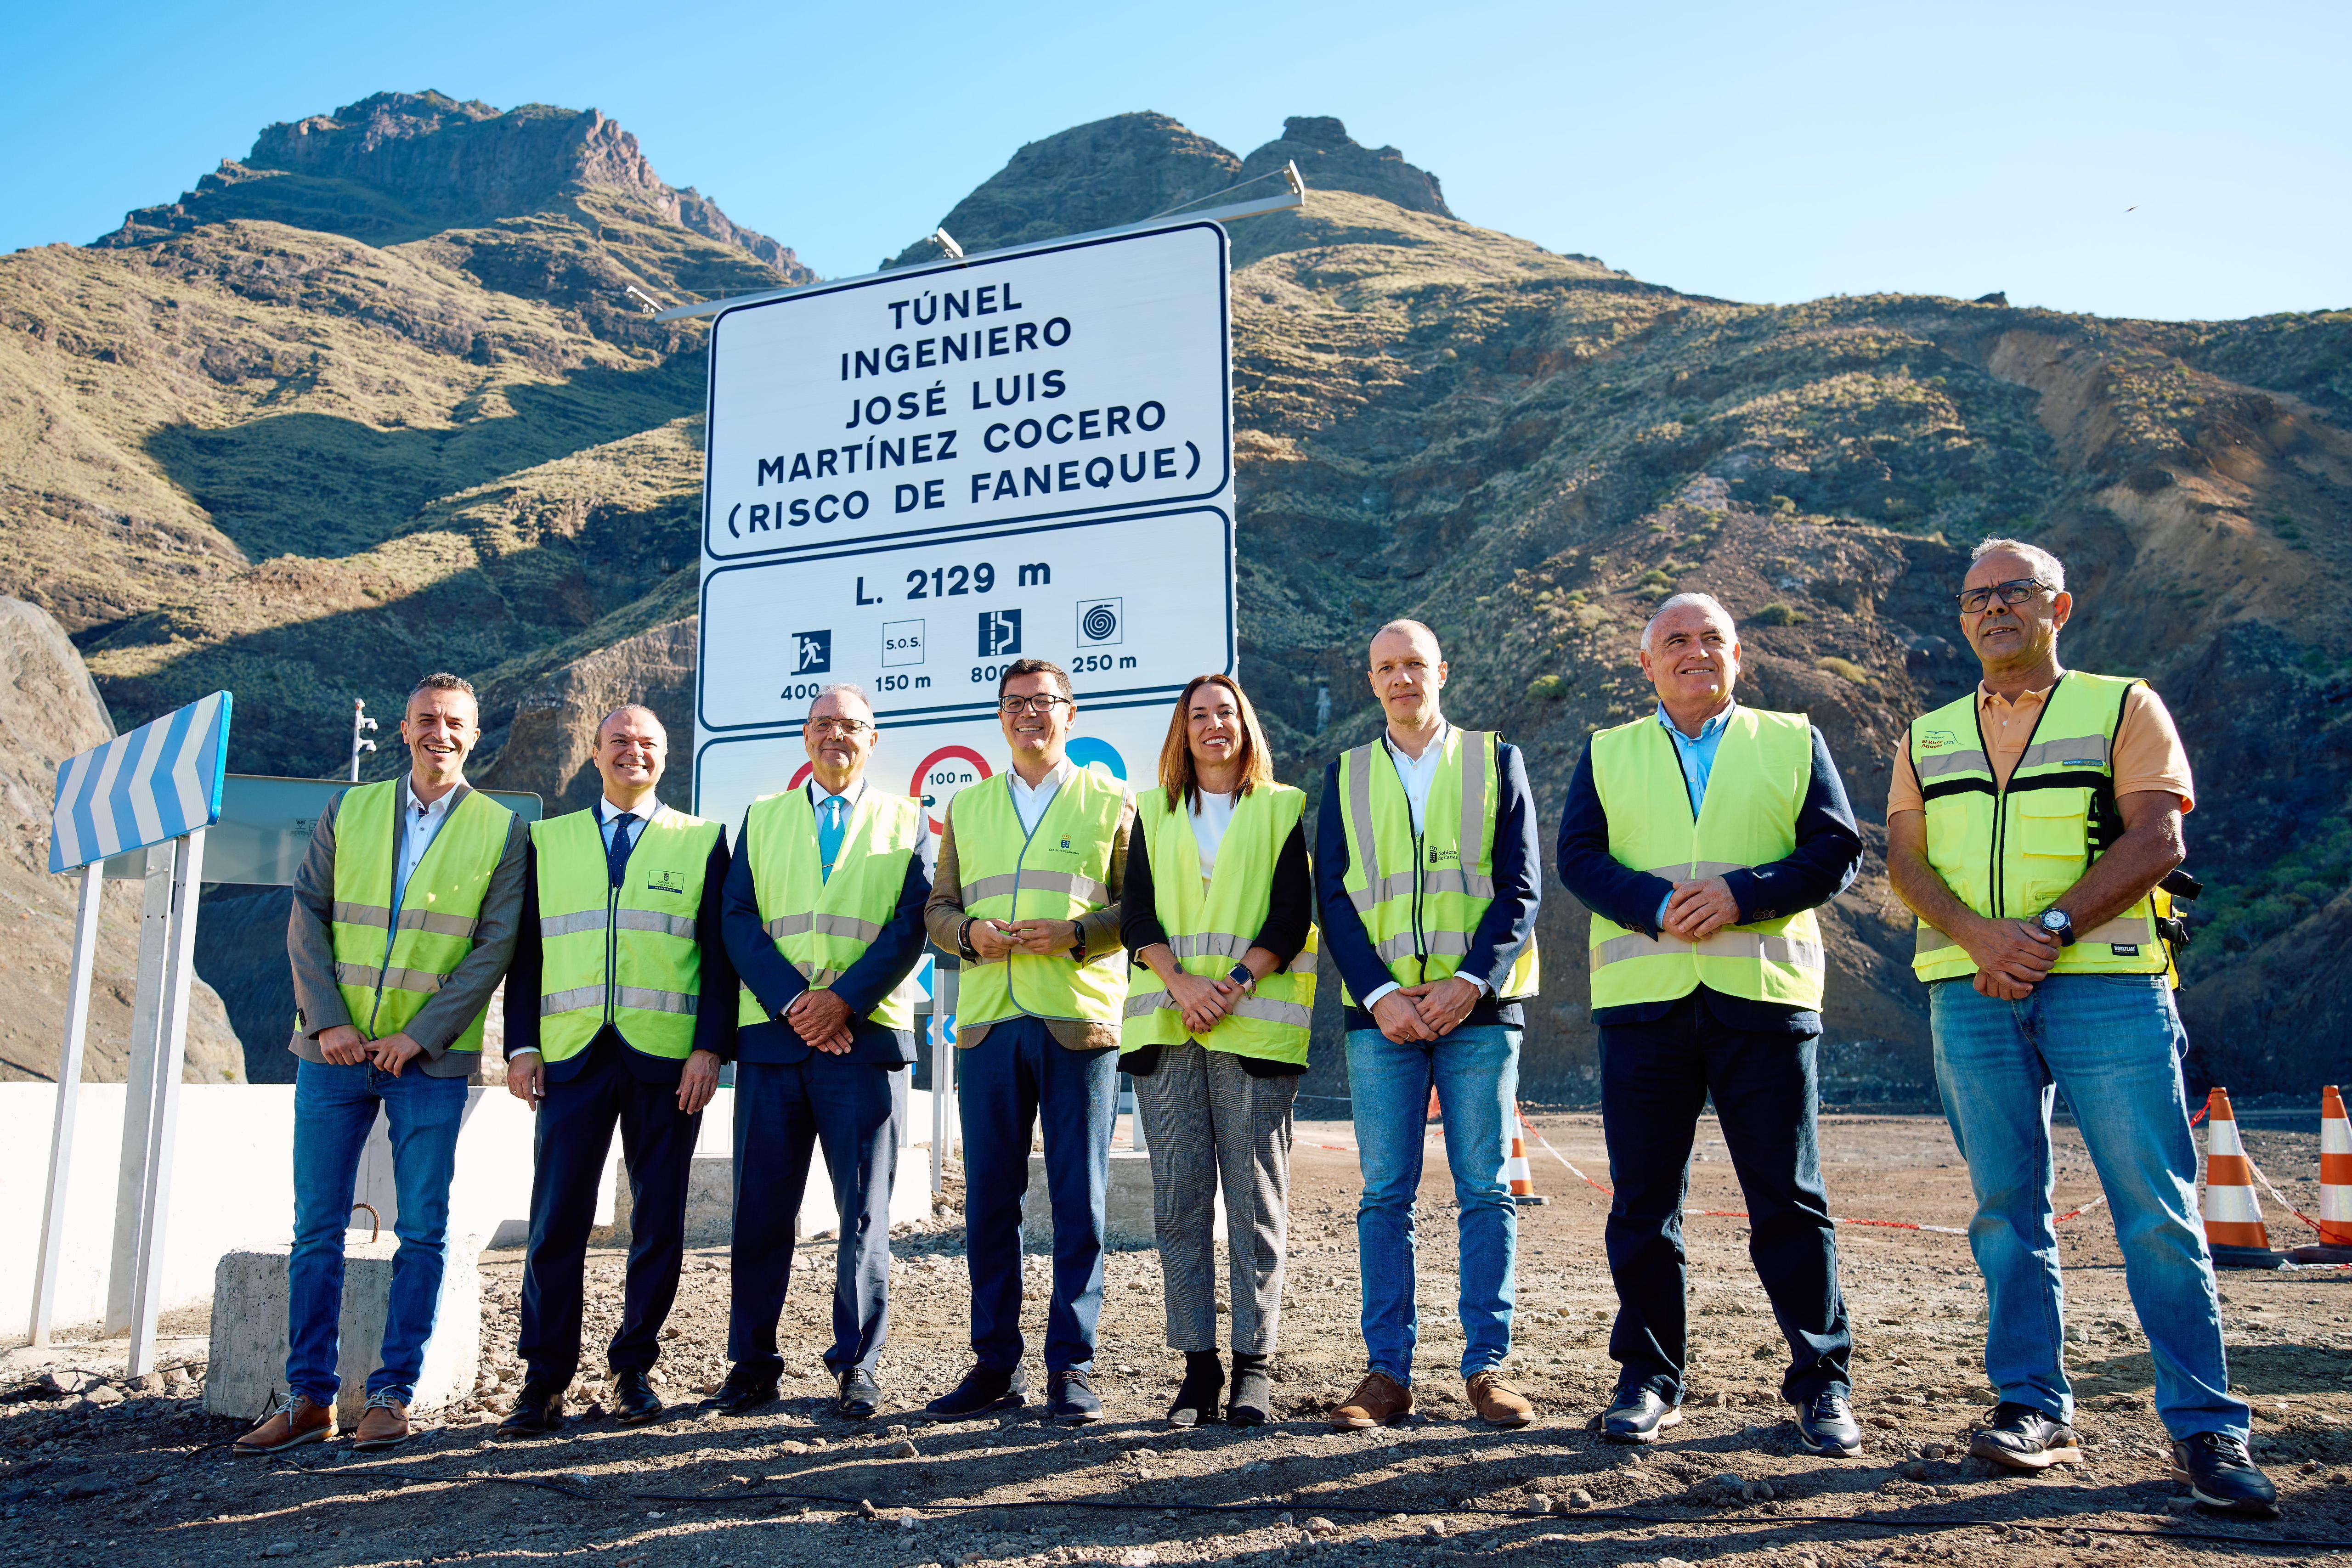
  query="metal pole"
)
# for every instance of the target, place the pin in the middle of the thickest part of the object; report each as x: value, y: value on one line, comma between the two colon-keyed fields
x: 944, y: 1121
x: 139, y: 1088
x: 155, y: 1200
x: 360, y: 721
x: 53, y: 1211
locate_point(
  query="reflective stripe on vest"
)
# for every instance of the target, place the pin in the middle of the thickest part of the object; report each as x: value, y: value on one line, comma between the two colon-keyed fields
x: 1763, y: 768
x: 1210, y: 929
x: 1422, y: 893
x: 823, y: 926
x: 625, y: 956
x: 2011, y: 851
x: 1061, y: 871
x: 387, y: 969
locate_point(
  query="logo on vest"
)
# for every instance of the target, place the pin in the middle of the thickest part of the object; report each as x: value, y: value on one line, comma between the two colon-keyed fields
x: 1066, y: 840
x: 1439, y: 857
x: 664, y: 882
x: 1937, y: 739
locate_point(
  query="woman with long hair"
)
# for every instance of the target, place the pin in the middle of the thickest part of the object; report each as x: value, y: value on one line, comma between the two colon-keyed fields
x: 1219, y: 914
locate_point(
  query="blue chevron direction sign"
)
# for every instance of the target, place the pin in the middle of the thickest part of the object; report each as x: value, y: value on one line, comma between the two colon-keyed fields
x: 160, y: 781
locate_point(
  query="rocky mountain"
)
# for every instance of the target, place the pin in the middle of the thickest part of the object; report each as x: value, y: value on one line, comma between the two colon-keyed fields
x: 379, y: 398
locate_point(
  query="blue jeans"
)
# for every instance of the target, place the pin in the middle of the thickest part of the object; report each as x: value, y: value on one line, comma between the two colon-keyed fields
x: 1476, y: 1074
x: 1017, y: 1078
x: 2113, y: 1044
x: 334, y: 1109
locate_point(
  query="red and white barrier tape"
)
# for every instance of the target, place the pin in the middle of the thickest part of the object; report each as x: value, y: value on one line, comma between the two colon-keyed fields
x: 2281, y: 1198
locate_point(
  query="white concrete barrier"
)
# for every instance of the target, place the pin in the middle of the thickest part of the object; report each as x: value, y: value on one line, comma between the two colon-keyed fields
x: 233, y: 1186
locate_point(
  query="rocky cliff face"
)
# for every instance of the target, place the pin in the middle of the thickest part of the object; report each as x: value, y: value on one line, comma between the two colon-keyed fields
x: 401, y: 165
x: 307, y: 465
x: 48, y: 711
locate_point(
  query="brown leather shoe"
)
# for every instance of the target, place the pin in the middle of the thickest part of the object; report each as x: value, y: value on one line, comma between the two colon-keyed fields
x: 293, y: 1421
x: 1497, y: 1402
x: 384, y: 1425
x: 1379, y: 1401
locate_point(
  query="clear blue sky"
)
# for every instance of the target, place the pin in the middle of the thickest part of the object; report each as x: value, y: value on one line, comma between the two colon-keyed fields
x: 2151, y: 158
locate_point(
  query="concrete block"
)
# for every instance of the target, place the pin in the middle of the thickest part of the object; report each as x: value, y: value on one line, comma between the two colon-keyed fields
x: 248, y: 1363
x: 1127, y: 1213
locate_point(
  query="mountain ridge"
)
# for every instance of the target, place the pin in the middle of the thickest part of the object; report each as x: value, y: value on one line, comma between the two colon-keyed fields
x: 308, y: 466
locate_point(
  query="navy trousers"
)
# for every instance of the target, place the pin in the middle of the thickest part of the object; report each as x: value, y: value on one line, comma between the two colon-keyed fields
x: 781, y: 1114
x: 1016, y: 1077
x: 1654, y: 1081
x: 574, y: 1131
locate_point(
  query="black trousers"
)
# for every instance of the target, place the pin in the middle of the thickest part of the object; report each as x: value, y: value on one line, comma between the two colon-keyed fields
x: 573, y: 1133
x: 1654, y: 1081
x: 782, y: 1112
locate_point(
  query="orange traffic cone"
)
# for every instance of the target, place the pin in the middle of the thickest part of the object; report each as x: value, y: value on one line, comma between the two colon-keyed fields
x: 1523, y: 1185
x: 2334, y: 1244
x: 2234, y: 1231
x: 1435, y: 1114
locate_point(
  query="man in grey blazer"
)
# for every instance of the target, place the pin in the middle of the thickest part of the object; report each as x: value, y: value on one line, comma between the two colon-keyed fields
x: 403, y: 922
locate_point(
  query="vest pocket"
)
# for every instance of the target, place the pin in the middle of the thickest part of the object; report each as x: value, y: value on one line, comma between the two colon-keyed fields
x: 2048, y: 837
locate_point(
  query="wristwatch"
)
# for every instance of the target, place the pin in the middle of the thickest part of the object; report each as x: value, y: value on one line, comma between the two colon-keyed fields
x: 2059, y: 924
x: 1240, y: 976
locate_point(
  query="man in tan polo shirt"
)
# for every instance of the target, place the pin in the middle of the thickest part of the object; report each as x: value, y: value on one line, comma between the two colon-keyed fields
x: 2028, y: 824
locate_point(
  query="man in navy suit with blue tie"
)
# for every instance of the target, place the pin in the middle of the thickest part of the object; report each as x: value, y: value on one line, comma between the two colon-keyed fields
x: 822, y: 915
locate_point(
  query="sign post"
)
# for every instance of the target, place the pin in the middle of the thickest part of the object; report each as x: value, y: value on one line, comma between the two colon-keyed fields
x: 159, y: 785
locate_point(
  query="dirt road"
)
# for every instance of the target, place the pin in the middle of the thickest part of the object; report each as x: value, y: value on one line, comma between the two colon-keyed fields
x: 129, y: 1481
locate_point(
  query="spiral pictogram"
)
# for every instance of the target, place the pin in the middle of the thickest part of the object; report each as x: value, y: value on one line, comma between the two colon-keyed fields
x: 1100, y: 623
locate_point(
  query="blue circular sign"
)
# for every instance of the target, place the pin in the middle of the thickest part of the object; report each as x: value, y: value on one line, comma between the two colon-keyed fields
x: 1085, y: 750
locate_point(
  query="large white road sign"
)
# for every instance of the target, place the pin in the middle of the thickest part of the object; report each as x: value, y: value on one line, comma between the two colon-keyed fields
x: 1066, y: 381
x: 913, y: 480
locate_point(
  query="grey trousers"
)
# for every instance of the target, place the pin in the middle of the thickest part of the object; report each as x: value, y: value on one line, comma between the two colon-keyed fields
x: 1207, y: 1120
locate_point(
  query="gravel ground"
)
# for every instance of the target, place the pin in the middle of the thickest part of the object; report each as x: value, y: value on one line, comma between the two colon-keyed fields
x: 122, y: 1475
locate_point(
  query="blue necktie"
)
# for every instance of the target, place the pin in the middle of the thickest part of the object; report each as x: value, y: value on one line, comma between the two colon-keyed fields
x: 617, y: 855
x: 829, y: 828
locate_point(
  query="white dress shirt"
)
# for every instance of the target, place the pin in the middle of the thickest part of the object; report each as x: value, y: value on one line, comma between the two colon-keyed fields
x: 420, y: 825
x: 1028, y: 804
x: 1417, y: 775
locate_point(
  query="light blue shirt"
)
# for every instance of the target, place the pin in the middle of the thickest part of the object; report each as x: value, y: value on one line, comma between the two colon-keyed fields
x: 1697, y: 758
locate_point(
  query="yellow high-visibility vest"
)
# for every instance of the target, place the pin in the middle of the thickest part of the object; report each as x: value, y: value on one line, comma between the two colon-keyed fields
x: 823, y: 926
x: 1421, y: 894
x: 625, y: 956
x: 1763, y: 766
x: 1209, y: 929
x: 1061, y: 871
x: 2009, y: 851
x: 386, y: 987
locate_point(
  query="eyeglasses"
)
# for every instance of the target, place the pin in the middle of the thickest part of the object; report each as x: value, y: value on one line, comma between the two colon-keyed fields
x: 2017, y: 591
x: 1013, y: 708
x: 840, y: 727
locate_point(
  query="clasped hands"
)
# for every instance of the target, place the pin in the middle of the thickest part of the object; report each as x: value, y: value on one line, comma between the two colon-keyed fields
x: 1699, y: 909
x: 997, y: 940
x: 2012, y: 956
x: 345, y: 1046
x: 823, y: 1021
x: 1427, y: 1011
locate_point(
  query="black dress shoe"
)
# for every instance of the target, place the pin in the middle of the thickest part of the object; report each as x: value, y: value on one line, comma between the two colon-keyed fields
x: 744, y: 1392
x: 2222, y: 1475
x: 1638, y: 1416
x: 2021, y: 1437
x: 860, y: 1396
x: 538, y: 1411
x: 1197, y: 1394
x: 1071, y: 1399
x: 1825, y: 1424
x: 983, y: 1391
x: 635, y: 1403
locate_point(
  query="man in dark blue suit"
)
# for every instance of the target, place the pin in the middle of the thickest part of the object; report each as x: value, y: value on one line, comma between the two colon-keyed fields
x: 822, y: 915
